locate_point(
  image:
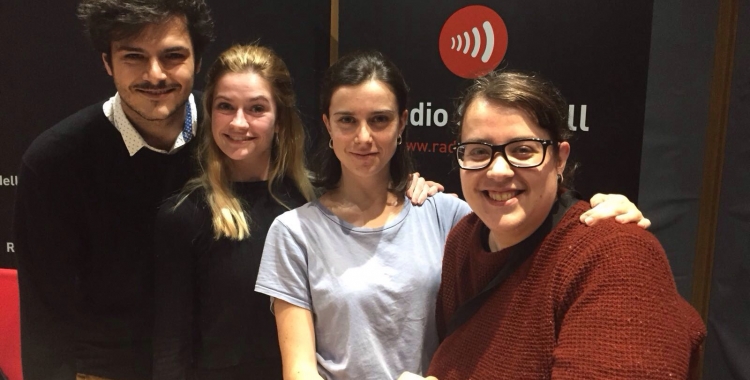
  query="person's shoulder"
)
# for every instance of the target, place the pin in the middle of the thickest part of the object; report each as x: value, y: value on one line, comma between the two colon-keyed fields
x: 301, y: 221
x: 286, y: 190
x: 297, y: 216
x: 185, y: 201
x: 444, y: 206
x: 465, y: 227
x: 67, y: 138
x: 442, y: 201
x: 606, y: 229
x: 446, y: 198
x: 184, y: 208
x: 619, y: 245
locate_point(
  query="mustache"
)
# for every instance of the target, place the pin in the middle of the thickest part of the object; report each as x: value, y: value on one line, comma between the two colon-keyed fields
x: 159, y: 86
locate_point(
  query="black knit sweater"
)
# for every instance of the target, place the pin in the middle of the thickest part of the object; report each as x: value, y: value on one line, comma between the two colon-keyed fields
x: 210, y: 323
x: 84, y: 220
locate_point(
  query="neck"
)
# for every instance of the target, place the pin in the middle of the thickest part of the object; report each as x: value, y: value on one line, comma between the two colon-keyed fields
x: 160, y: 134
x: 363, y: 201
x: 494, y: 246
x: 372, y: 190
x: 250, y: 170
x: 497, y: 242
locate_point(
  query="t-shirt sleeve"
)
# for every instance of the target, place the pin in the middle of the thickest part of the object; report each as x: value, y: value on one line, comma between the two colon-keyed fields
x: 450, y: 210
x: 283, y: 270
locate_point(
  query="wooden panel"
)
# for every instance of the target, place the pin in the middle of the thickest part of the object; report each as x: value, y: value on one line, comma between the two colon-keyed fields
x: 713, y: 160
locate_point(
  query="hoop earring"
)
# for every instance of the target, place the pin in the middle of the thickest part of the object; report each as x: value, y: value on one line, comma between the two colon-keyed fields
x: 559, y: 178
x: 399, y: 140
x: 330, y: 143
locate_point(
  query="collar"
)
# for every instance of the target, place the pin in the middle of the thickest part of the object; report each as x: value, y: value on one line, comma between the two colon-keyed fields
x: 133, y: 140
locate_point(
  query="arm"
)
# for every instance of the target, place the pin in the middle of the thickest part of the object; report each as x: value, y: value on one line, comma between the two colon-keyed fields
x: 619, y: 314
x: 50, y: 245
x: 605, y: 206
x: 283, y: 276
x: 174, y: 281
x: 296, y: 340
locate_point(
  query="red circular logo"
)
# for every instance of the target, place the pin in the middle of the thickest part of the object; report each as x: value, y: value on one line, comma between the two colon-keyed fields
x: 473, y: 41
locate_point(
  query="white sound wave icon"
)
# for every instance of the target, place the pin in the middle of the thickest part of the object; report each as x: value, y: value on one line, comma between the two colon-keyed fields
x: 457, y: 42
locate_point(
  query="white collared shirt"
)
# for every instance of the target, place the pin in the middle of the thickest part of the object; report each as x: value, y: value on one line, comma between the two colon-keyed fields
x: 133, y: 140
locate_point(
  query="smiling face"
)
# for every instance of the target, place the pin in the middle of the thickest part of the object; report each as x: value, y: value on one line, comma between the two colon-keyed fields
x: 364, y: 124
x: 243, y: 122
x: 512, y: 202
x: 153, y: 71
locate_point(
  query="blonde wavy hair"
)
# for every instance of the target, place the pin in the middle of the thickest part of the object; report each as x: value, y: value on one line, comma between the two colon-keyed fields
x: 287, y: 151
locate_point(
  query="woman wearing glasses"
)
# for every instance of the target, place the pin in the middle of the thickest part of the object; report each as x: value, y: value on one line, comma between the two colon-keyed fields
x: 529, y: 292
x: 354, y: 274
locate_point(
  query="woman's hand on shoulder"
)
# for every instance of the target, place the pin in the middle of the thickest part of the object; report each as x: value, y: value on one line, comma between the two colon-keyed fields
x: 605, y: 206
x: 419, y: 189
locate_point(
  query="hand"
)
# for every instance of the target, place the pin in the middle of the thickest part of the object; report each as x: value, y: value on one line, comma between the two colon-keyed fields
x: 411, y: 376
x: 605, y: 206
x: 419, y: 189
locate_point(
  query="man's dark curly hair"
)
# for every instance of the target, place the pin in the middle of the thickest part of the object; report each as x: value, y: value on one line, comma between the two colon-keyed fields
x: 113, y: 20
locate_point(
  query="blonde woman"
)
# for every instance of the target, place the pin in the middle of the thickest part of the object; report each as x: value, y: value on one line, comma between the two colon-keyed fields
x: 210, y: 324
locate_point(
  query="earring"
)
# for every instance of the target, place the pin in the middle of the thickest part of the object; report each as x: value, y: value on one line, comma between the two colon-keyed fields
x: 330, y: 143
x: 559, y: 178
x: 399, y: 140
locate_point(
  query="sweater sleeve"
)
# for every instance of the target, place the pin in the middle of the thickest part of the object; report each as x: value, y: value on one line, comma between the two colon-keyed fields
x: 49, y: 241
x: 619, y: 314
x: 175, y: 281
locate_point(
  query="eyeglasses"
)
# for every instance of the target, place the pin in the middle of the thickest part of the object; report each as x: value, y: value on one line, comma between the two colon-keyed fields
x: 525, y: 153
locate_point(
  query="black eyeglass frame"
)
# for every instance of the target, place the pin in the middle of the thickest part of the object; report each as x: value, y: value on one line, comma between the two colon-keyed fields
x: 501, y: 149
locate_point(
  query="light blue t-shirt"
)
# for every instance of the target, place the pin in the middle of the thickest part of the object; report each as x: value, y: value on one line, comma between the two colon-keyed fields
x: 372, y: 291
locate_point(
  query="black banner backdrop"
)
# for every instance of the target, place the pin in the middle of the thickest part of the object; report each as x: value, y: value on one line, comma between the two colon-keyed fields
x: 596, y: 52
x: 49, y: 70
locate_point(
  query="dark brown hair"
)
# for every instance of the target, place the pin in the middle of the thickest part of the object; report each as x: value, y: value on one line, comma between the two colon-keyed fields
x: 113, y: 20
x: 537, y: 97
x: 352, y: 70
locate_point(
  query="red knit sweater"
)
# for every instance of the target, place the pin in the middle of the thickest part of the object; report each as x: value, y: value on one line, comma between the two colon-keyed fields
x: 592, y: 302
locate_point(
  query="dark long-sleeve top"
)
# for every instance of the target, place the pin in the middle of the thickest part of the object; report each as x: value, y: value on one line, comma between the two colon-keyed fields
x: 84, y: 219
x: 210, y: 323
x: 590, y: 303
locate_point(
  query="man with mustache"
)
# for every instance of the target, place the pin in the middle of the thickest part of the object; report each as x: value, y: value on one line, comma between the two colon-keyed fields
x: 89, y: 189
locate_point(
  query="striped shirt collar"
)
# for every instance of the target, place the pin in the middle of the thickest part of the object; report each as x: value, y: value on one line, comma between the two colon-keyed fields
x: 133, y: 140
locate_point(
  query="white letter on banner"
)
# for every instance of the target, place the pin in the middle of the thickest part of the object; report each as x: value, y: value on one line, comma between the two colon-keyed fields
x: 414, y: 112
x: 9, y: 247
x: 584, y: 127
x: 441, y: 117
x: 571, y: 115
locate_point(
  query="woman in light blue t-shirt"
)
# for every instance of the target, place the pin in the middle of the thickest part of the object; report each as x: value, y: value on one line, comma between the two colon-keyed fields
x: 355, y: 273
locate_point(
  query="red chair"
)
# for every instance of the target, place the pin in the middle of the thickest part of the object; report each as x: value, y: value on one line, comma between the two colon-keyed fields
x: 10, y: 325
